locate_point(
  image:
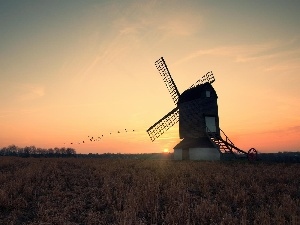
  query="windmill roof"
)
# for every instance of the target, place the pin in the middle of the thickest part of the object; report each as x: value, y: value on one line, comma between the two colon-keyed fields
x: 195, y: 92
x: 202, y: 142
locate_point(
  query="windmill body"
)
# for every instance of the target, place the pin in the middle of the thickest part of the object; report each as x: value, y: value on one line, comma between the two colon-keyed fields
x: 198, y: 110
x: 197, y: 113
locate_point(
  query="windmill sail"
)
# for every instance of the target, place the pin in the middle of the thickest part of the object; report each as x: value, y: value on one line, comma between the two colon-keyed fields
x: 167, y: 78
x: 208, y: 77
x: 163, y: 124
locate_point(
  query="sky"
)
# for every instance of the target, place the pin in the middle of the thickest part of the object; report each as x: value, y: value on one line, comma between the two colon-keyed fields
x: 71, y: 70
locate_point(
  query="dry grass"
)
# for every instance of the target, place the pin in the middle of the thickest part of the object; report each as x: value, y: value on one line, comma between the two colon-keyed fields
x: 95, y: 191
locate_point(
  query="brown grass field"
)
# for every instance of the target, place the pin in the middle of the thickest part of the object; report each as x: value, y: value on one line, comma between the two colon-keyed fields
x: 123, y: 191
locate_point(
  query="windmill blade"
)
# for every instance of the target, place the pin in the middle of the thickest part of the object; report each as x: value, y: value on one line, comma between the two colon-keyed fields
x: 167, y: 78
x: 163, y: 124
x: 208, y: 77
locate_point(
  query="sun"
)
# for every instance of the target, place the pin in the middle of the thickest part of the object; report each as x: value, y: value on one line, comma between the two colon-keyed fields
x: 166, y: 150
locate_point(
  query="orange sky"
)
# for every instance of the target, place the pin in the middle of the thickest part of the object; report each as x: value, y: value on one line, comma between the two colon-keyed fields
x: 73, y: 69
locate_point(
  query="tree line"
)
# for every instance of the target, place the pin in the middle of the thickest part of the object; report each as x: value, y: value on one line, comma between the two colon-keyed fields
x: 32, y: 151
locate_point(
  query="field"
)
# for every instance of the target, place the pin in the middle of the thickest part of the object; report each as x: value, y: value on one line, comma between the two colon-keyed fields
x: 123, y: 191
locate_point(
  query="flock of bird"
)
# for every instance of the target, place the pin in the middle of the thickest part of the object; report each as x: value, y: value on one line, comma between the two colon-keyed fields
x: 92, y: 138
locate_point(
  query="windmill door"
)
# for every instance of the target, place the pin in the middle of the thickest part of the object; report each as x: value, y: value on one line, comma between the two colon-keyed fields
x: 210, y: 122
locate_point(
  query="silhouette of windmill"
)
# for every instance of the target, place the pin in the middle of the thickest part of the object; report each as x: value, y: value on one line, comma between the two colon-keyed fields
x: 196, y: 110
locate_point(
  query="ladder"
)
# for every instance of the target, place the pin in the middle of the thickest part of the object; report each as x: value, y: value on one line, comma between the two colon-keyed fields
x: 225, y: 145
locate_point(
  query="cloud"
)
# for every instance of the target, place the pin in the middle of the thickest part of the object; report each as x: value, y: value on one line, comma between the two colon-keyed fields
x: 294, y: 129
x: 5, y: 113
x: 180, y: 25
x: 153, y: 19
x: 139, y: 25
x: 288, y: 130
x: 288, y: 65
x: 31, y: 92
x: 282, y: 51
x: 240, y: 53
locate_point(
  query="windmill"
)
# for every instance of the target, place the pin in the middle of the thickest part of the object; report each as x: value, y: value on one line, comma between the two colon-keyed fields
x: 196, y: 110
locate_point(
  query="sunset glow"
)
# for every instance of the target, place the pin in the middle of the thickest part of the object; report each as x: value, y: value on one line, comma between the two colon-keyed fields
x: 166, y: 150
x: 72, y: 70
